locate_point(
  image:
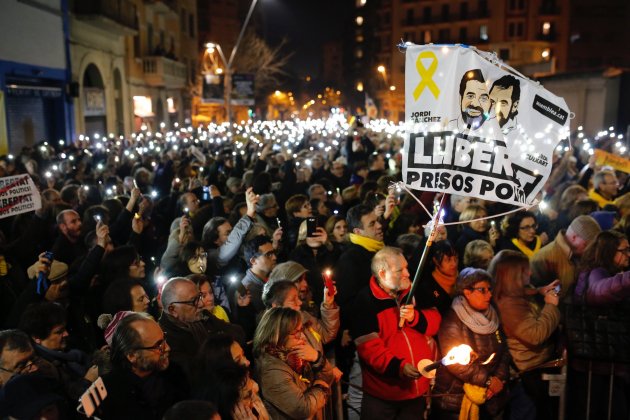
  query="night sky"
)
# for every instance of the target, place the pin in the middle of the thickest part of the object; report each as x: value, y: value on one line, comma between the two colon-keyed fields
x: 306, y: 24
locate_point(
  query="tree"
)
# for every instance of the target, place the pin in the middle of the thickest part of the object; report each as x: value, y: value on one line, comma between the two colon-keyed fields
x: 265, y: 62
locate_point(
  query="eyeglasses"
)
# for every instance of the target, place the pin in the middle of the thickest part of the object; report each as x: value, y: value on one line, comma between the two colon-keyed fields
x: 159, y: 346
x: 268, y: 254
x: 22, y: 367
x: 194, y: 302
x: 624, y: 250
x: 529, y: 227
x: 482, y: 290
x: 201, y: 255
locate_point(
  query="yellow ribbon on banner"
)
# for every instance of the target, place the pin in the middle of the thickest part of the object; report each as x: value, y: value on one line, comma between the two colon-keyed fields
x: 426, y: 75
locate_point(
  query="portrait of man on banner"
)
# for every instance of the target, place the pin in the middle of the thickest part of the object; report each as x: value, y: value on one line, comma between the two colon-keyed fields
x: 505, y: 94
x: 474, y: 102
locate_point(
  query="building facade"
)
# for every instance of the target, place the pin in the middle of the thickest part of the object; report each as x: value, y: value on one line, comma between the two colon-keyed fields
x: 529, y: 35
x: 35, y: 97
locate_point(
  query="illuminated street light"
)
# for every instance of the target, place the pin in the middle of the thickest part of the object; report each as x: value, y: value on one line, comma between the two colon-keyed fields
x: 381, y: 69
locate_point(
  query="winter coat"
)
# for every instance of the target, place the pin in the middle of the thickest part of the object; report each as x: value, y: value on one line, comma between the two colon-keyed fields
x: 554, y: 261
x: 286, y: 394
x: 600, y: 288
x: 450, y: 379
x: 384, y: 348
x: 528, y: 327
x: 352, y: 273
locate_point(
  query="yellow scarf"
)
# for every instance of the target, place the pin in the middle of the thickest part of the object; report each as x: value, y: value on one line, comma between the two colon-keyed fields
x: 525, y: 249
x: 4, y: 266
x: 474, y: 396
x: 370, y: 244
x: 220, y: 313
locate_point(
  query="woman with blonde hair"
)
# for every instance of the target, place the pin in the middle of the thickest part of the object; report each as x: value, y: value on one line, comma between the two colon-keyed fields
x: 475, y: 229
x: 529, y: 326
x: 291, y: 389
x: 478, y: 254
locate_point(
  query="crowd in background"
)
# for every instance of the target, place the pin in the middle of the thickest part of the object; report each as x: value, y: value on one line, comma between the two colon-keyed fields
x: 264, y: 271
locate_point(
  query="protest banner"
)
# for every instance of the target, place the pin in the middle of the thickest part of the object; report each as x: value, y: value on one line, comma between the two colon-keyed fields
x: 18, y: 194
x: 475, y: 128
x: 619, y: 163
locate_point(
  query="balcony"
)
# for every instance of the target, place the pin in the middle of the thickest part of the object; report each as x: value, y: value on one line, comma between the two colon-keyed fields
x: 164, y: 72
x: 162, y: 6
x: 453, y: 17
x: 109, y: 15
x: 550, y: 37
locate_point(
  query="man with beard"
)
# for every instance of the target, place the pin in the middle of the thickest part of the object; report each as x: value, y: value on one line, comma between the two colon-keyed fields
x: 68, y: 246
x: 142, y: 383
x: 505, y: 94
x: 186, y: 324
x: 474, y: 102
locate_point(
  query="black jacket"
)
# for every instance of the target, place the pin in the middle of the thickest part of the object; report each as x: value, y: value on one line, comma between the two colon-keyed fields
x: 134, y: 398
x: 352, y: 273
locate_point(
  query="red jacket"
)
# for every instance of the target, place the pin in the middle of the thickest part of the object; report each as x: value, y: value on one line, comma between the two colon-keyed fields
x: 384, y: 348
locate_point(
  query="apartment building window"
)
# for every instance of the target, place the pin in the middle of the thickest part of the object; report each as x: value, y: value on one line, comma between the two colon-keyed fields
x: 387, y: 17
x: 445, y: 12
x: 463, y: 34
x: 182, y: 20
x: 463, y: 11
x: 358, y: 53
x: 483, y: 7
x: 426, y: 14
x: 546, y: 28
x: 427, y: 37
x: 136, y: 46
x: 409, y: 17
x: 191, y: 25
x: 444, y: 36
x: 359, y: 20
x: 504, y: 54
x: 483, y: 32
x: 516, y: 29
x: 150, y: 38
x: 162, y: 43
x: 516, y: 5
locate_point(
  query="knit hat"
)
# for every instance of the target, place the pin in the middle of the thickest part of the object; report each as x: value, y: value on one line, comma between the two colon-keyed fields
x: 58, y: 270
x: 605, y: 219
x: 470, y: 276
x: 585, y: 227
x: 109, y: 324
x: 265, y: 201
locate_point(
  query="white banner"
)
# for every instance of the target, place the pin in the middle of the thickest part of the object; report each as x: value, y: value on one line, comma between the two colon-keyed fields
x: 18, y: 194
x: 476, y: 130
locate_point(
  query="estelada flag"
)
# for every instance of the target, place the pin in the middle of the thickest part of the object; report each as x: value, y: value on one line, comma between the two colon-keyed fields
x: 476, y: 127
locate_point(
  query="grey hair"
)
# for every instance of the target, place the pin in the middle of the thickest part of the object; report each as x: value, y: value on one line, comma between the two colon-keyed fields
x: 170, y: 291
x: 127, y: 339
x: 600, y: 177
x: 380, y: 261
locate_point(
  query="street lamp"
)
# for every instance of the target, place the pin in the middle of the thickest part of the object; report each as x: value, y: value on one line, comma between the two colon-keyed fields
x: 211, y: 47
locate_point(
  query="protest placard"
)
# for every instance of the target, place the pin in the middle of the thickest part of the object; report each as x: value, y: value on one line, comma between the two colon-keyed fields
x: 603, y: 158
x: 18, y: 194
x: 477, y: 129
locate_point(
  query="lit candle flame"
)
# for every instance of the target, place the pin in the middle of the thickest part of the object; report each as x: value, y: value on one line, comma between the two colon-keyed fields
x: 459, y: 354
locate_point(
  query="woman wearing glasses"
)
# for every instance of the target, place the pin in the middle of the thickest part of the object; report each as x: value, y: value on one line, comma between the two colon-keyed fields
x: 603, y: 278
x: 528, y: 325
x: 473, y: 321
x: 519, y: 233
x: 291, y: 388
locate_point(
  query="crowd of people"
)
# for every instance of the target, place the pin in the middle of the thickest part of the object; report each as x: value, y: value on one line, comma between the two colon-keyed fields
x: 264, y: 271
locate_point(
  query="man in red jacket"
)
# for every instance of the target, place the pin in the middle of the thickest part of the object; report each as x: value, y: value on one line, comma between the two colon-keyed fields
x: 392, y: 384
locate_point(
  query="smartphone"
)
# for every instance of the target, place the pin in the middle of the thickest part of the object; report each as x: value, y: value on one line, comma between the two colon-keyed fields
x: 206, y: 193
x: 93, y: 397
x: 97, y: 218
x: 42, y: 280
x: 557, y: 289
x: 311, y: 226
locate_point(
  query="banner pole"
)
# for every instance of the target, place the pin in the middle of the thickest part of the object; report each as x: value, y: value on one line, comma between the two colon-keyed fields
x: 425, y: 254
